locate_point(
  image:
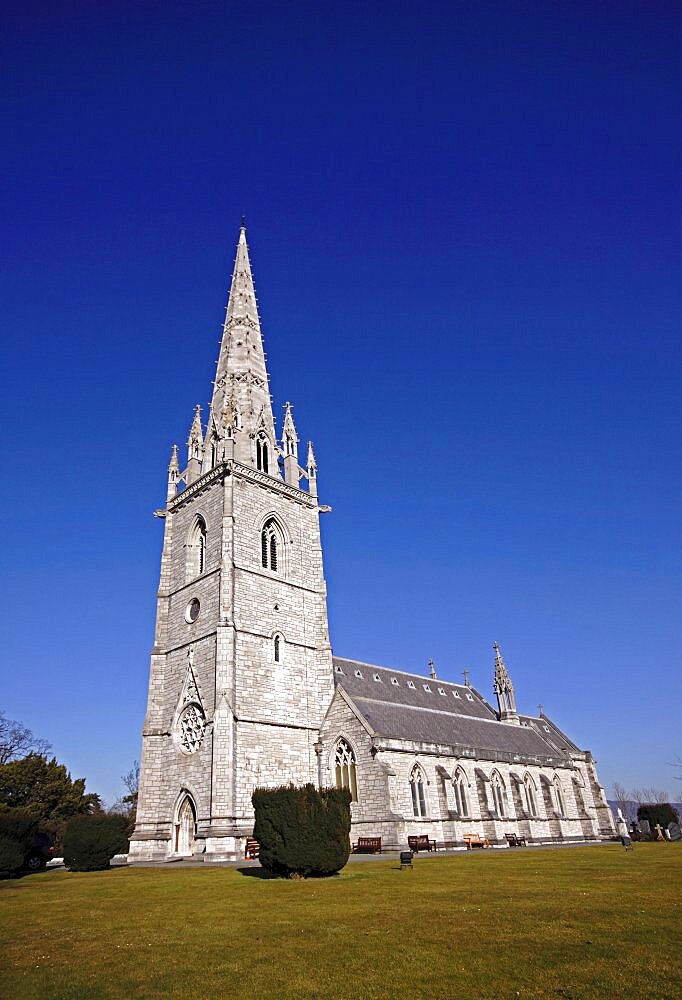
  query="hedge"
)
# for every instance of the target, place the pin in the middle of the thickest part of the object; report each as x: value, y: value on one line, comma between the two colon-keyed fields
x: 17, y: 830
x: 90, y: 842
x: 302, y: 830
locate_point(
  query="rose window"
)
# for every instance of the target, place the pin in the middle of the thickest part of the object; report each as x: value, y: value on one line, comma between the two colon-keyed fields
x: 192, y: 727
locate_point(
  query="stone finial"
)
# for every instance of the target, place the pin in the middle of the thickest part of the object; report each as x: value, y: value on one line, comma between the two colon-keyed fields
x: 311, y: 467
x: 173, y: 474
x: 504, y: 689
x: 432, y: 670
x: 467, y: 682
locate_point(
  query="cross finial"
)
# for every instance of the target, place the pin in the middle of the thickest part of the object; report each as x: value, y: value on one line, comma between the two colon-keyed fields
x: 466, y: 677
x: 432, y: 669
x: 243, y: 225
x: 541, y: 707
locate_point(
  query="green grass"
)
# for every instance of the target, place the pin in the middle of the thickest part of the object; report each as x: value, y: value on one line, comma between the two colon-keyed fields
x: 562, y: 924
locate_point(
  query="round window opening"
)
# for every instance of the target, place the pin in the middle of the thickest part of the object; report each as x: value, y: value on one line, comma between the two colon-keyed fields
x: 192, y: 612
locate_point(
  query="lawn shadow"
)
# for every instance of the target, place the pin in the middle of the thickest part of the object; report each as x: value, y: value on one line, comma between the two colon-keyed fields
x: 255, y: 873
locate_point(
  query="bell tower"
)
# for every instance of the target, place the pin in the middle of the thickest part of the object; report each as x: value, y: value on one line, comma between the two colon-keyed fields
x: 241, y: 669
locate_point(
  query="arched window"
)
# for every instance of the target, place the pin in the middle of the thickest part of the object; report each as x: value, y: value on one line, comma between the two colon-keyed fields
x: 559, y: 795
x: 531, y: 799
x: 269, y: 543
x: 277, y: 648
x: 499, y: 795
x: 185, y: 827
x: 196, y: 549
x: 262, y: 452
x: 417, y: 790
x: 460, y: 786
x: 345, y: 768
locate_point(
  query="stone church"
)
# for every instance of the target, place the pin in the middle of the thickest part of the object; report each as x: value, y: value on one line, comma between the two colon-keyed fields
x: 244, y: 690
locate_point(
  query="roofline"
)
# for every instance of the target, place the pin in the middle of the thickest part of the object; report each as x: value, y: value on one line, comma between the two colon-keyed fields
x: 426, y: 678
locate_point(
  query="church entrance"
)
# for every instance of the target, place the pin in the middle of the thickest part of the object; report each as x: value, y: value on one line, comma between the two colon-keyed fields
x: 185, y: 828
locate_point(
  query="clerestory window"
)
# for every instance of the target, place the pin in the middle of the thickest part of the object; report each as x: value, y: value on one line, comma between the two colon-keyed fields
x: 346, y: 768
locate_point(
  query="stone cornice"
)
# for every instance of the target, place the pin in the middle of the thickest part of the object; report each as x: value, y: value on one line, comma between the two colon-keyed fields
x: 275, y: 485
x: 242, y: 472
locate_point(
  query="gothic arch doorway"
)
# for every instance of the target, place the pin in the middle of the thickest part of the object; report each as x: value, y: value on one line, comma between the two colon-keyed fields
x: 184, y: 831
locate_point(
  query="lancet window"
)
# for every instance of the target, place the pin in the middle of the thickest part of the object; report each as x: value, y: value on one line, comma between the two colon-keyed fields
x: 417, y: 791
x: 196, y: 549
x: 346, y: 768
x: 262, y: 453
x: 531, y: 798
x: 277, y: 648
x: 499, y: 795
x: 269, y: 546
x: 559, y: 796
x: 460, y: 786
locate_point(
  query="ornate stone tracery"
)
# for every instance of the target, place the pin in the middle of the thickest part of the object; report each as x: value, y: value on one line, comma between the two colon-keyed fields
x: 192, y: 726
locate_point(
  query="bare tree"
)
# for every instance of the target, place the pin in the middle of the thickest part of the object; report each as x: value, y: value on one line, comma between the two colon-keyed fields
x: 655, y: 796
x: 16, y: 741
x: 625, y: 801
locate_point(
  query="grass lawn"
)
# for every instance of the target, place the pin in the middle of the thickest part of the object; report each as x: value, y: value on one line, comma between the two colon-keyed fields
x: 562, y: 924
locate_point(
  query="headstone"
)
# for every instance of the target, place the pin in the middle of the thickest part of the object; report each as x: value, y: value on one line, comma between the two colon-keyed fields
x: 674, y: 831
x: 644, y: 827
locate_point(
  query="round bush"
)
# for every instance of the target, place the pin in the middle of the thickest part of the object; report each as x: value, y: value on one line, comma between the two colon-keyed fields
x: 90, y: 842
x: 302, y: 831
x: 17, y: 830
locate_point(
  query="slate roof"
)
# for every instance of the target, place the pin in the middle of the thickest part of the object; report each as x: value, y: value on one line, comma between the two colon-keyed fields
x: 550, y: 732
x: 422, y: 714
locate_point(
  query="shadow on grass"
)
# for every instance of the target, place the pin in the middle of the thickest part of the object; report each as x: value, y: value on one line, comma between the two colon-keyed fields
x: 255, y: 873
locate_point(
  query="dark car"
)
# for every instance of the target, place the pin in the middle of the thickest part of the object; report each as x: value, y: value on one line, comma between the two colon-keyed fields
x: 40, y: 852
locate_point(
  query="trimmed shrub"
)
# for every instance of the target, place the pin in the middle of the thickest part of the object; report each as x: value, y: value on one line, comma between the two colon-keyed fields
x: 662, y: 813
x: 90, y: 842
x: 302, y: 831
x: 17, y: 830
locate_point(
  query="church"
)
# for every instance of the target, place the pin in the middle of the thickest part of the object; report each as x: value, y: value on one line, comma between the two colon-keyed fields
x: 244, y: 690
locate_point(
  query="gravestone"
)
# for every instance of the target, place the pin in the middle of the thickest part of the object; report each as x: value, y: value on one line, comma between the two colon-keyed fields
x: 645, y: 828
x: 674, y: 831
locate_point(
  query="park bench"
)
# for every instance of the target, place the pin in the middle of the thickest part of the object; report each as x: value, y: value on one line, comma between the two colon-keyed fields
x: 251, y: 848
x: 421, y: 842
x: 515, y: 841
x: 367, y: 845
x: 475, y: 840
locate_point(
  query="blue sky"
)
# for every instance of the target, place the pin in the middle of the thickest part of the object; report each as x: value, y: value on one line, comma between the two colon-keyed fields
x: 464, y: 228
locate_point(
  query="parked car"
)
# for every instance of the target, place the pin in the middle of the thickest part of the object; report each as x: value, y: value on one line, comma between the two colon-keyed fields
x: 40, y: 852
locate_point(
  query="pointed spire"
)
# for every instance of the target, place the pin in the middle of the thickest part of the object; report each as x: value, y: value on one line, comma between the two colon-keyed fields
x: 504, y: 689
x: 241, y: 376
x: 173, y: 474
x: 195, y: 447
x: 311, y: 466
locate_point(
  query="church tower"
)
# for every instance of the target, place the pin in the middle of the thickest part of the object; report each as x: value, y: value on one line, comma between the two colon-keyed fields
x: 241, y: 668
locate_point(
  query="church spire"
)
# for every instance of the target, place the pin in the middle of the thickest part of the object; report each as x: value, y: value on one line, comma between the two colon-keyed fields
x: 241, y: 406
x: 504, y: 689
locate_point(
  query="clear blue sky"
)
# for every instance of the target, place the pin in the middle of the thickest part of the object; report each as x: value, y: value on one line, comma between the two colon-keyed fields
x: 464, y: 227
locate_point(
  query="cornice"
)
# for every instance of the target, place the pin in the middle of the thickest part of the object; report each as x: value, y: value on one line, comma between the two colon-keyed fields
x: 203, y: 483
x: 274, y: 485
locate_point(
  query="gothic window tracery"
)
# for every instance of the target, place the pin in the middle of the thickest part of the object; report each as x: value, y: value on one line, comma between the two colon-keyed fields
x: 345, y: 768
x: 417, y: 791
x: 191, y: 726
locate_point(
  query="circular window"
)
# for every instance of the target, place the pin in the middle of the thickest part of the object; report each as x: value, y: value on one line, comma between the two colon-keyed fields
x: 192, y: 725
x: 192, y: 610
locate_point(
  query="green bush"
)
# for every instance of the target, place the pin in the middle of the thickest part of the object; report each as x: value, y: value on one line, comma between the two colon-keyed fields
x: 90, y: 842
x: 17, y: 830
x: 662, y: 813
x: 302, y: 831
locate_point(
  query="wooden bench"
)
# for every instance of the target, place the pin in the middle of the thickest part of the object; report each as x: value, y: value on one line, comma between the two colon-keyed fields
x: 421, y: 842
x: 475, y: 840
x: 515, y: 841
x: 251, y: 849
x: 367, y: 845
